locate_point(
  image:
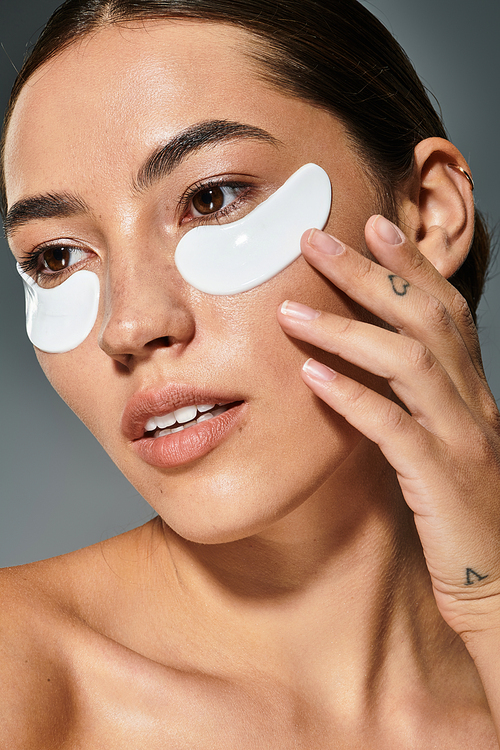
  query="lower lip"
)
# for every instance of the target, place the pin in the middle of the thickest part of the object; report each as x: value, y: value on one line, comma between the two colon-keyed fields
x: 181, y: 448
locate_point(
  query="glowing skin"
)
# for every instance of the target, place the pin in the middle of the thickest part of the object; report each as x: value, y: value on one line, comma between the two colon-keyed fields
x: 232, y: 258
x: 60, y: 319
x: 290, y: 585
x: 157, y: 334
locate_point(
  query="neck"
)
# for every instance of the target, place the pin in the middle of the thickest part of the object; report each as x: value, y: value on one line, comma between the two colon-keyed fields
x: 338, y: 587
x: 355, y: 523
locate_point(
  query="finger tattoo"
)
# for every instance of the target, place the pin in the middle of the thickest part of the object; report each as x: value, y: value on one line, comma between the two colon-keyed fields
x: 399, y: 285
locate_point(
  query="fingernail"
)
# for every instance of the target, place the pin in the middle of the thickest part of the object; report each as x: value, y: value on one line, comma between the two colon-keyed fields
x: 318, y: 371
x: 298, y: 311
x: 325, y: 243
x: 387, y: 231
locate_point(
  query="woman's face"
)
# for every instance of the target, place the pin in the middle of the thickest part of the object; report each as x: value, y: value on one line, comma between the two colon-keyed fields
x: 83, y: 129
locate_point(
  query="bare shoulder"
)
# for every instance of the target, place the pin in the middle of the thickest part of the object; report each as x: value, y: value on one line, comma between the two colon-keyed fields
x: 34, y: 697
x: 48, y: 612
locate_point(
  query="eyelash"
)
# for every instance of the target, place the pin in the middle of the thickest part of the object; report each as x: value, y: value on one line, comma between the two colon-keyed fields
x: 31, y: 262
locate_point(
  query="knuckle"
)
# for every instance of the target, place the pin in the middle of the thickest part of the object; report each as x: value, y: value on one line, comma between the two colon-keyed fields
x: 394, y: 418
x: 366, y: 269
x: 416, y: 263
x: 436, y: 313
x: 418, y: 357
x: 345, y: 327
x: 355, y: 396
x: 460, y: 311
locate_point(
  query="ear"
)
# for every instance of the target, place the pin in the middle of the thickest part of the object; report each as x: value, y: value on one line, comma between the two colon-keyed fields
x: 437, y: 210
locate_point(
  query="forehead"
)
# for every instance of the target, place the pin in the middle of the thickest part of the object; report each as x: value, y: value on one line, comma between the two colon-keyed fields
x: 176, y: 63
x: 117, y: 93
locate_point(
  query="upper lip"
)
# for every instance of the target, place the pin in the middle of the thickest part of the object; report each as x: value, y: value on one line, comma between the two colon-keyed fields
x: 157, y: 402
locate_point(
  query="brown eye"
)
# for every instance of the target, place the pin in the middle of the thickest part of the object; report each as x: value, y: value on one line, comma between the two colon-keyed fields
x: 209, y: 200
x: 56, y: 258
x: 212, y: 199
x: 59, y: 257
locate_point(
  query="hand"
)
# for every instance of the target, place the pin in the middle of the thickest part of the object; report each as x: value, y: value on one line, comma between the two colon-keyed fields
x: 445, y: 446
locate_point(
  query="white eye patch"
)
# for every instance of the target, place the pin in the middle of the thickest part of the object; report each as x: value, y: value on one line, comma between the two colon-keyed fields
x: 218, y: 260
x: 60, y: 319
x: 232, y: 258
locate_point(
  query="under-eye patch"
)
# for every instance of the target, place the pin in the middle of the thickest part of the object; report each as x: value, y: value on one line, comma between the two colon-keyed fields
x: 233, y: 258
x: 222, y: 259
x: 60, y: 319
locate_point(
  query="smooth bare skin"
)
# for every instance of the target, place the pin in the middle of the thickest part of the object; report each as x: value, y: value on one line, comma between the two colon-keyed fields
x: 300, y: 613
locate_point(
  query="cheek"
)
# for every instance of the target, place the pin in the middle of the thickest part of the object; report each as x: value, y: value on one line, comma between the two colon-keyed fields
x: 245, y: 332
x: 81, y: 378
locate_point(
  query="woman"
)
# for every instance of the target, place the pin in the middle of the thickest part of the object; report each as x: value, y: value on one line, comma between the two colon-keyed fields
x: 324, y: 567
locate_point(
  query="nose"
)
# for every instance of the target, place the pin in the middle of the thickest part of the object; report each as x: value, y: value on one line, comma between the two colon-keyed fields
x: 145, y: 309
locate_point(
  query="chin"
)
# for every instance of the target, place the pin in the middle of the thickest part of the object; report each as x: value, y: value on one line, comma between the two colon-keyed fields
x: 208, y: 504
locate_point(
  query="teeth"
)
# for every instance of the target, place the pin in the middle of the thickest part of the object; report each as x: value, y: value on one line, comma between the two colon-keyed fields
x: 205, y: 407
x: 167, y: 421
x: 186, y: 414
x: 184, y: 417
x: 204, y: 417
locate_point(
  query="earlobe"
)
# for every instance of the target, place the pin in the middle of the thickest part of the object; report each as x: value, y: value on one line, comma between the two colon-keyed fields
x: 439, y: 212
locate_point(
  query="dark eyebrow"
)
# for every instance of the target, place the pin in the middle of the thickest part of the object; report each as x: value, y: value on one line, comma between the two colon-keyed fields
x: 160, y: 163
x: 50, y: 206
x: 167, y: 157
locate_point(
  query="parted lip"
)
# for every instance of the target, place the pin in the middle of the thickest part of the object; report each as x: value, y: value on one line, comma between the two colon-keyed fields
x: 158, y: 401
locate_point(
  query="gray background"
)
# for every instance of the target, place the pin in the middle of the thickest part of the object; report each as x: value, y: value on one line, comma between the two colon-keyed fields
x: 58, y: 489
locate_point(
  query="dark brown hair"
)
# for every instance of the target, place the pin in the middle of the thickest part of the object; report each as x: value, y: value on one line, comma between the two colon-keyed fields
x: 333, y: 53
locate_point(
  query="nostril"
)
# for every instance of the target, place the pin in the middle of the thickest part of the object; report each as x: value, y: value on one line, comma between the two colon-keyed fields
x: 162, y: 342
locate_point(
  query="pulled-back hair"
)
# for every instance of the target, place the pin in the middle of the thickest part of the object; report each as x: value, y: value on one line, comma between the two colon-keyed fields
x: 332, y: 53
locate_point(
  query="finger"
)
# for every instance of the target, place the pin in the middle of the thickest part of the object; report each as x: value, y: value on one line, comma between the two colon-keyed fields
x: 453, y: 496
x: 410, y: 263
x: 410, y: 368
x: 408, y: 447
x: 406, y: 307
